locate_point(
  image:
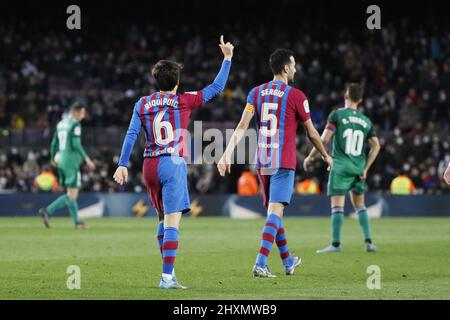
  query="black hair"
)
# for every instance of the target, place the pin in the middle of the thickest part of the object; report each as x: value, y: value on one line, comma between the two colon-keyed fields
x: 166, y: 74
x: 279, y: 58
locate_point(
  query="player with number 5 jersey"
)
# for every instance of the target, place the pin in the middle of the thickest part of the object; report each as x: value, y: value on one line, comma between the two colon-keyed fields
x: 351, y: 131
x: 164, y: 116
x: 278, y: 108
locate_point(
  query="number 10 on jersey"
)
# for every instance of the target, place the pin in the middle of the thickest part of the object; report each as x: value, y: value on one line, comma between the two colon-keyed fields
x: 354, y: 140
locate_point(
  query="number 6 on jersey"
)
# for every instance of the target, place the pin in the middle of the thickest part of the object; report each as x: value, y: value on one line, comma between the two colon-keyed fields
x: 159, y: 126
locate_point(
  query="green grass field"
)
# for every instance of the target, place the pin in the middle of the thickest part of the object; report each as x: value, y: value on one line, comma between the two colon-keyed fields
x: 119, y: 259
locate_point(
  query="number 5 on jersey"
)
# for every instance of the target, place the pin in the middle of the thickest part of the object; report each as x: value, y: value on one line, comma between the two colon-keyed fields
x: 269, y: 130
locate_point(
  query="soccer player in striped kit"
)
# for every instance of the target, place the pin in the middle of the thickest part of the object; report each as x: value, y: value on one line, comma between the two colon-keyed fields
x: 278, y: 108
x: 164, y: 116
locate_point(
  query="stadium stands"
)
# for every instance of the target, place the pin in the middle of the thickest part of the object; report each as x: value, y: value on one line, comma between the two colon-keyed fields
x: 406, y: 72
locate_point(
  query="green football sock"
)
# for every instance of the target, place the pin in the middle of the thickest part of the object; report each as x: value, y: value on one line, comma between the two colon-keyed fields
x: 59, y: 203
x: 364, y: 222
x: 73, y: 209
x: 337, y: 219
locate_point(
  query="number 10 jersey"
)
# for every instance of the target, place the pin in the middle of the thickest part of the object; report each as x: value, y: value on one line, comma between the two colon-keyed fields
x: 351, y: 130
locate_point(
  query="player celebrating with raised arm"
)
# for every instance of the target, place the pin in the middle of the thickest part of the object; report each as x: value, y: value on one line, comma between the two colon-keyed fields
x: 350, y: 130
x: 278, y: 108
x: 164, y: 115
x: 66, y: 153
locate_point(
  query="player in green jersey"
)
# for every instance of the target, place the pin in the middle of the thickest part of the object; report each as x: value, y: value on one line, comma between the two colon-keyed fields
x: 66, y: 153
x: 351, y: 131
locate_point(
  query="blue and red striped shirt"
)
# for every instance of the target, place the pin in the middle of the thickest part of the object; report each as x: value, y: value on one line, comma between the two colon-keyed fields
x: 165, y: 118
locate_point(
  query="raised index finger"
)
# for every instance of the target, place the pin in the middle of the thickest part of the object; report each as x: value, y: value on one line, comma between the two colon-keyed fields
x: 221, y: 40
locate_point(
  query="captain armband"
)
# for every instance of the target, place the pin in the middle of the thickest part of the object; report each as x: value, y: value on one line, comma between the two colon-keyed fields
x: 249, y: 107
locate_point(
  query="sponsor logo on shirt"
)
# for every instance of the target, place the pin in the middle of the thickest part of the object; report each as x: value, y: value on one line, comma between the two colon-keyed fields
x: 274, y: 145
x: 157, y: 153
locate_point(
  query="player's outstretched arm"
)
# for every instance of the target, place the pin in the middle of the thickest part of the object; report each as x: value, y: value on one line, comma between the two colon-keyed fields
x: 315, y: 139
x: 224, y: 164
x: 220, y: 81
x: 373, y: 153
x: 121, y: 174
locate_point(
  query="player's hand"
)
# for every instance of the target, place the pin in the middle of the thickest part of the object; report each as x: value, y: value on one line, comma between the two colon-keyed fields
x: 224, y: 166
x: 308, y: 160
x: 54, y: 164
x: 329, y: 161
x: 447, y: 176
x: 121, y: 175
x: 227, y: 48
x: 90, y: 164
x: 364, y: 175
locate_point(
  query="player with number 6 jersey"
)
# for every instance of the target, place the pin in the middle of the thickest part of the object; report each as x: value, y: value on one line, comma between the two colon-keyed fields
x: 351, y: 131
x: 164, y: 116
x: 278, y: 108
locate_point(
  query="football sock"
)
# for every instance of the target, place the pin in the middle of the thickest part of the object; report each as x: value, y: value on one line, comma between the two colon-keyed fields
x: 160, y: 236
x: 270, y: 229
x: 73, y: 209
x: 59, y: 203
x: 337, y: 219
x: 282, y: 245
x: 170, y: 246
x: 363, y: 219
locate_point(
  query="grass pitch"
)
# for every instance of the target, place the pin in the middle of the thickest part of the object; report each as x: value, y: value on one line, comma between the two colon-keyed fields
x: 119, y: 259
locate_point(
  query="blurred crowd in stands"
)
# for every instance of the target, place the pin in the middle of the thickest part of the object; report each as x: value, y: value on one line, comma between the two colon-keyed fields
x: 405, y: 68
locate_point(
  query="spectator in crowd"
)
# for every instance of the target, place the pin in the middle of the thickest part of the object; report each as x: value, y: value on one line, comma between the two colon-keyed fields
x: 405, y: 70
x: 46, y: 180
x: 247, y: 184
x: 307, y: 186
x: 402, y: 185
x: 447, y: 174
